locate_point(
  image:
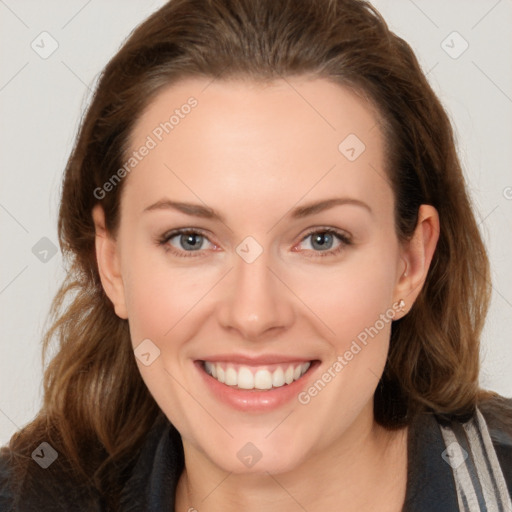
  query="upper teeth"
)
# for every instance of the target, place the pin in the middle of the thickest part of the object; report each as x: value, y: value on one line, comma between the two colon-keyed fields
x: 246, y: 377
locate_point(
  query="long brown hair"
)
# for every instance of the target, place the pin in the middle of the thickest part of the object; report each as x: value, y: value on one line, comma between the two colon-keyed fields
x: 96, y: 408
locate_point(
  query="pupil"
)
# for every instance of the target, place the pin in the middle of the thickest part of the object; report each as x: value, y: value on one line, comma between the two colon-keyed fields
x: 189, y: 240
x: 321, y: 239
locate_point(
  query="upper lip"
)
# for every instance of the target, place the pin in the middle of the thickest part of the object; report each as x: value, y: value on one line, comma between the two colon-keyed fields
x: 255, y: 360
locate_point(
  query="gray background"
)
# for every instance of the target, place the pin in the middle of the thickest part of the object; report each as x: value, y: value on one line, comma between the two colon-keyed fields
x: 42, y: 100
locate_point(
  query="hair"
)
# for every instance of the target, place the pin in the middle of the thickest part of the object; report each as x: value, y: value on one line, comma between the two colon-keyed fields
x: 96, y: 408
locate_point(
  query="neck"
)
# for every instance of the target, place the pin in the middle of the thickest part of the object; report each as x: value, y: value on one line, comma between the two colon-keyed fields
x: 366, y: 469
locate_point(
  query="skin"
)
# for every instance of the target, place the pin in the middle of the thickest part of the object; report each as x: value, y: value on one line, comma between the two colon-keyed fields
x: 254, y: 153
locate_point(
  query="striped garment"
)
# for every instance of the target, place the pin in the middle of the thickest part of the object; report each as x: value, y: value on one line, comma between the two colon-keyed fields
x: 456, y: 466
x: 479, y: 480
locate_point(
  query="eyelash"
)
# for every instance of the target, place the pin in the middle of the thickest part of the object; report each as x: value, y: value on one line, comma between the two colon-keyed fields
x: 342, y: 237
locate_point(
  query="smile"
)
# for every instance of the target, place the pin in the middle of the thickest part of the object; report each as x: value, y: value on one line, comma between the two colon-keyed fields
x: 255, y: 384
x: 263, y: 377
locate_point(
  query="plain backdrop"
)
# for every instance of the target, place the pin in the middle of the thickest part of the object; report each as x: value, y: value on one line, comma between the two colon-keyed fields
x: 463, y: 45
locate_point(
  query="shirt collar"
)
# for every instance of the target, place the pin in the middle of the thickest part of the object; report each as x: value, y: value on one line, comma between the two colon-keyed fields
x: 430, y: 483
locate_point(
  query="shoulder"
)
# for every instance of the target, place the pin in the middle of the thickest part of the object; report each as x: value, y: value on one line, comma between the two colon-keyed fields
x: 8, y: 487
x: 497, y: 412
x: 31, y: 480
x: 27, y: 485
x: 456, y: 459
x: 479, y: 450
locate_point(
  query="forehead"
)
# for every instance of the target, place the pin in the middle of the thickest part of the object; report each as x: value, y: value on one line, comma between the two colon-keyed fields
x: 261, y: 143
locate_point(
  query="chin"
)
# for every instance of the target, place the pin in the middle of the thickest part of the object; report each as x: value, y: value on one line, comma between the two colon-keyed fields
x: 256, y: 457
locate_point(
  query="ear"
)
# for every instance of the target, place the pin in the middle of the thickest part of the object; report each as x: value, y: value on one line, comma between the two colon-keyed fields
x: 416, y: 257
x: 108, y: 263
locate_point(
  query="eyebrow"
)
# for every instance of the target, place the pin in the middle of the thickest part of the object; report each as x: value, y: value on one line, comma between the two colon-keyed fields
x: 300, y: 212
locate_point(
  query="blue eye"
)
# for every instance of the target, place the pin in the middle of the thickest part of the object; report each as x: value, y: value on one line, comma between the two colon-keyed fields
x: 321, y: 240
x: 190, y: 241
x: 324, y: 239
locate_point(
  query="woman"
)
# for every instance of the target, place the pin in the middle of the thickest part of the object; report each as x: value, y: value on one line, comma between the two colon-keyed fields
x: 270, y: 303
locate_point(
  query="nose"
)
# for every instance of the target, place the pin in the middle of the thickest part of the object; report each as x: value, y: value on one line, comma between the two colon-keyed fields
x: 257, y: 304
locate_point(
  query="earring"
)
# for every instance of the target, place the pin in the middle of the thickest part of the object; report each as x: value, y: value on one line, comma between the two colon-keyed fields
x: 401, y: 305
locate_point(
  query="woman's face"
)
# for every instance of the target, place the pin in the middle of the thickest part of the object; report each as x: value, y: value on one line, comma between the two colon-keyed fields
x: 264, y: 285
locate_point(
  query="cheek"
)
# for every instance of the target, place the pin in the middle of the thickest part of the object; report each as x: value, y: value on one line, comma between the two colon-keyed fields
x: 355, y: 303
x: 160, y: 301
x: 158, y: 295
x: 353, y: 296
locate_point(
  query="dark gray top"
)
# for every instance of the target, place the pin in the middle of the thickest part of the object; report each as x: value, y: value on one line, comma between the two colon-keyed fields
x: 431, y: 484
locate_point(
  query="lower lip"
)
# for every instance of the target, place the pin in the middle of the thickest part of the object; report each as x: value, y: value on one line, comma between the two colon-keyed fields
x: 255, y: 400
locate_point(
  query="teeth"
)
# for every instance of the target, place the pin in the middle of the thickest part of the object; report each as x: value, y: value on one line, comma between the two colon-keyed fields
x: 288, y: 375
x: 231, y: 376
x: 263, y: 379
x: 278, y: 378
x: 245, y: 378
x: 209, y: 367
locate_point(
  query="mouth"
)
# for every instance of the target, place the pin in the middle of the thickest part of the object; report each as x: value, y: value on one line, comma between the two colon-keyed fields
x: 256, y: 385
x: 256, y: 378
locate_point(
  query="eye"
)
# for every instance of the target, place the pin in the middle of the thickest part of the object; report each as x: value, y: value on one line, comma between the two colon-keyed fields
x: 185, y: 241
x: 324, y: 239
